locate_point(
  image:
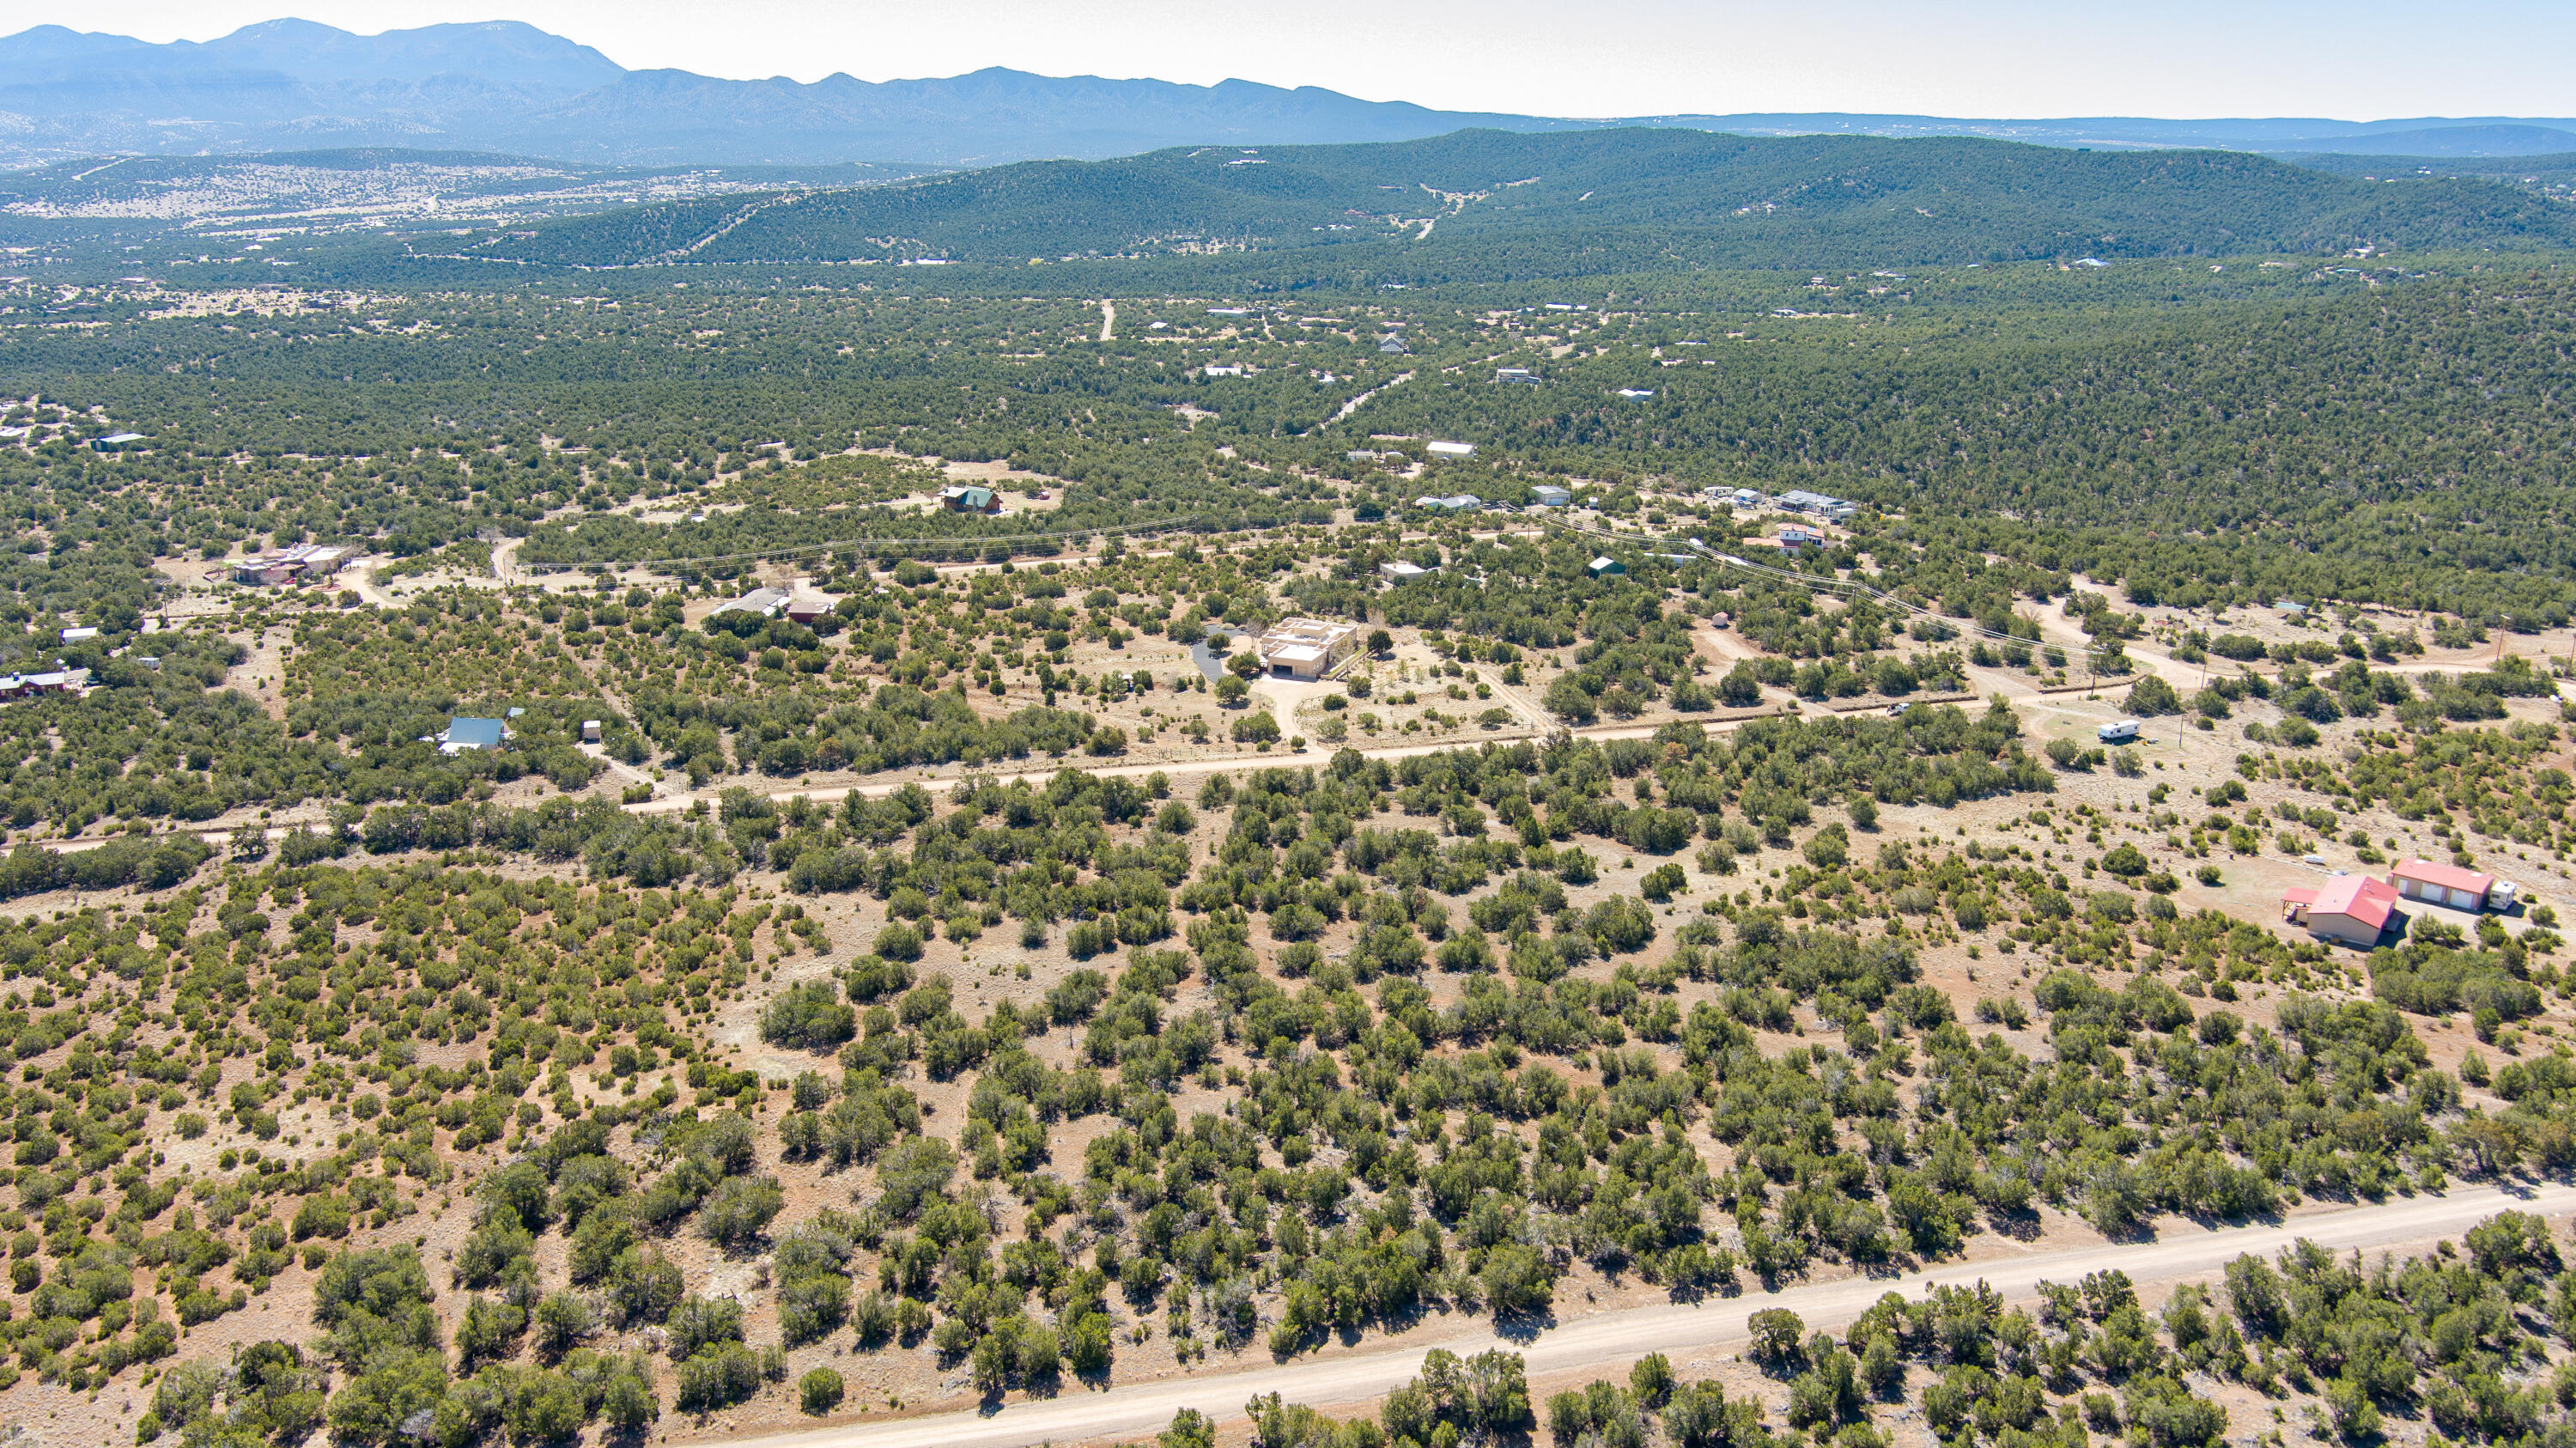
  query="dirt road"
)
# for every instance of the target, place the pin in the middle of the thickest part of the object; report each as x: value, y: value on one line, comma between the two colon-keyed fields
x: 1607, y: 1343
x: 1209, y: 764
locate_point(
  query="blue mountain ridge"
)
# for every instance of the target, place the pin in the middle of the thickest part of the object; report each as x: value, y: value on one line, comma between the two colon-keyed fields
x: 506, y: 86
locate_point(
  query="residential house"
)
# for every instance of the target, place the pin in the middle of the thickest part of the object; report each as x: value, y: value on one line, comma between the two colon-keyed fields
x: 763, y: 601
x: 1450, y: 449
x: 2353, y: 910
x: 59, y: 680
x: 1604, y: 567
x: 967, y: 499
x: 1307, y: 648
x: 302, y: 562
x: 1400, y: 571
x: 464, y: 734
x: 1799, y: 500
x: 1549, y: 495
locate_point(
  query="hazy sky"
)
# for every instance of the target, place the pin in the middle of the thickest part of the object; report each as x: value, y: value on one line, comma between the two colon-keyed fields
x: 2350, y: 59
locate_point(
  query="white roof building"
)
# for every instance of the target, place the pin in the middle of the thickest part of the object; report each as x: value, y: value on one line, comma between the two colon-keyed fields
x: 763, y: 601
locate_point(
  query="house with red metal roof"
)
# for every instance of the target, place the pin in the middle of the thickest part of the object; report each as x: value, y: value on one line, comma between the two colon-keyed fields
x: 2438, y: 884
x: 2350, y: 909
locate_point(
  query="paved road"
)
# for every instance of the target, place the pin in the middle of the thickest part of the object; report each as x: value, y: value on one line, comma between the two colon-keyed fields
x: 1607, y: 1343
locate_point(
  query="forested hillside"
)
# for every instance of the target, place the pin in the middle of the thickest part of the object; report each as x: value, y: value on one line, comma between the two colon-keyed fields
x: 776, y: 881
x: 1594, y: 201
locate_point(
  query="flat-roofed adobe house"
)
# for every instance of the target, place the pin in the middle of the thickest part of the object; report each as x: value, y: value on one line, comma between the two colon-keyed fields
x: 1306, y: 648
x: 2351, y: 909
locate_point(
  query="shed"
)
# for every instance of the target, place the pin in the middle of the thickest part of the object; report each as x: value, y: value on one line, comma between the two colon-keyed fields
x: 2439, y: 884
x: 1604, y: 567
x: 590, y: 731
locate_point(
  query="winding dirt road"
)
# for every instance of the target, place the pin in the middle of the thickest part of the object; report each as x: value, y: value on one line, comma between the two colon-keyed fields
x: 1608, y: 1342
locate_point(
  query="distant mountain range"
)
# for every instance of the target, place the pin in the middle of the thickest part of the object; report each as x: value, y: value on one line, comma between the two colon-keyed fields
x: 509, y: 87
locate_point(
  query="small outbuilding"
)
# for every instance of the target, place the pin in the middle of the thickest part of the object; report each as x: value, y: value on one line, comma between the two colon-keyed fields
x: 1604, y: 567
x: 1549, y: 495
x: 1399, y: 571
